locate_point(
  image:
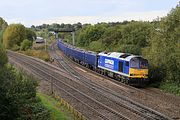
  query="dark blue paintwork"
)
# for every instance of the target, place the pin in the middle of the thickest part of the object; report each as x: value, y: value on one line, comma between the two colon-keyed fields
x: 90, y: 58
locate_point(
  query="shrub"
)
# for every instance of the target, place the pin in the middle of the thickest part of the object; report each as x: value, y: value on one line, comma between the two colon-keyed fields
x: 26, y: 44
x: 171, y: 87
x: 18, y: 97
x: 3, y: 56
x: 44, y: 55
x: 14, y: 35
x: 96, y: 46
x: 15, y: 47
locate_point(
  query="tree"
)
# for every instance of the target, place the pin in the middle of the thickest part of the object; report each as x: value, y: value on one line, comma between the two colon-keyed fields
x: 3, y: 26
x: 163, y: 52
x: 18, y: 97
x: 18, y: 94
x: 3, y: 56
x: 90, y: 33
x: 14, y: 35
x: 25, y: 45
x: 96, y: 46
x: 30, y: 34
x: 136, y: 33
x: 112, y: 36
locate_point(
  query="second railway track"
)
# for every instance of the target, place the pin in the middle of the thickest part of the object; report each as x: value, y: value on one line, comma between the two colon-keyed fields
x: 108, y: 103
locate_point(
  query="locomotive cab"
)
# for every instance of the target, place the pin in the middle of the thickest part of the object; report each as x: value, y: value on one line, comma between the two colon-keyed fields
x: 138, y: 63
x: 138, y: 69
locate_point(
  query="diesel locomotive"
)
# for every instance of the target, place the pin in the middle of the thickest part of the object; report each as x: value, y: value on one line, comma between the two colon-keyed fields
x: 124, y: 67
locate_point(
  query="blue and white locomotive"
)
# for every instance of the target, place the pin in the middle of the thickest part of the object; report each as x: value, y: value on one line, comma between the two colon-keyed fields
x: 128, y: 68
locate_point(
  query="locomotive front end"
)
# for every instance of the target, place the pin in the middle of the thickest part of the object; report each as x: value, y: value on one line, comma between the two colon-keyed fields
x: 138, y: 71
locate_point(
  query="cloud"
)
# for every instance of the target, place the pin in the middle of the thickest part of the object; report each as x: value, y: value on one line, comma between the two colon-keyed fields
x: 144, y: 16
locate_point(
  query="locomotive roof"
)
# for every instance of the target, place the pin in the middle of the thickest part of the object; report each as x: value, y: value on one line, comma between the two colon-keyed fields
x: 117, y: 55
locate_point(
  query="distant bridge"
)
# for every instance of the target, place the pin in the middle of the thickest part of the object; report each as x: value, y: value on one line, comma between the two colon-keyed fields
x: 56, y: 30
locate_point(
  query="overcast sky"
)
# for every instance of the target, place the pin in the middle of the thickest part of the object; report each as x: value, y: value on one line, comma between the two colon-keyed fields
x: 36, y: 12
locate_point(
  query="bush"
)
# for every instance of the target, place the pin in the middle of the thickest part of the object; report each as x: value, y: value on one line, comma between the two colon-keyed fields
x: 96, y: 46
x: 133, y: 49
x: 18, y: 97
x: 44, y: 55
x: 14, y: 35
x: 15, y: 47
x: 3, y: 56
x: 25, y: 45
x: 3, y: 25
x: 171, y: 88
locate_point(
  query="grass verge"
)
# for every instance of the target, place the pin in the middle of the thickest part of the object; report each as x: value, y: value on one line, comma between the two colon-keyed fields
x: 170, y: 88
x: 58, y: 112
x: 41, y: 54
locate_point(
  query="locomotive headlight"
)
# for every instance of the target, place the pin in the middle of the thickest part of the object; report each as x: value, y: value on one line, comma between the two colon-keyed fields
x: 132, y: 74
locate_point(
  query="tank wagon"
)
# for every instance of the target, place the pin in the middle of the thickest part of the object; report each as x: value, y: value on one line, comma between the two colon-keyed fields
x: 124, y: 67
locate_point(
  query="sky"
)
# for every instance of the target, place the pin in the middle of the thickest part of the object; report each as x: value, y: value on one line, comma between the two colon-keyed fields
x: 37, y: 12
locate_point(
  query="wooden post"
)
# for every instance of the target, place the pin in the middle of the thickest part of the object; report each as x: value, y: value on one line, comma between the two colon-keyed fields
x: 52, y: 91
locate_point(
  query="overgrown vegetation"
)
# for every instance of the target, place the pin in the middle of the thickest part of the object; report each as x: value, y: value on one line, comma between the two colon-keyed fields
x: 158, y: 41
x: 41, y: 54
x: 15, y: 34
x: 58, y: 111
x: 18, y: 38
x: 3, y: 26
x: 25, y: 45
x: 18, y: 94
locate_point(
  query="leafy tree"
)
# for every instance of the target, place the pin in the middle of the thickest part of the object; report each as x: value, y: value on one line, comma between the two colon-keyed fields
x: 25, y: 45
x: 18, y: 94
x: 96, y: 46
x: 112, y: 36
x: 3, y: 26
x: 14, y: 35
x: 136, y: 33
x: 163, y: 52
x: 133, y: 49
x: 90, y: 33
x: 77, y: 26
x: 18, y: 97
x: 3, y: 56
x: 30, y: 34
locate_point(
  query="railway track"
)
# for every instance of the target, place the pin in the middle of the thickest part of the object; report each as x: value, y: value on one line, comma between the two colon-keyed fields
x: 99, y: 110
x: 117, y: 100
x: 160, y: 101
x: 137, y: 108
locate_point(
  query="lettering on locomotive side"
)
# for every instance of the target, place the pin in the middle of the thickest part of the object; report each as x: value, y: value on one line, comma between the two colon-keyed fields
x: 109, y: 63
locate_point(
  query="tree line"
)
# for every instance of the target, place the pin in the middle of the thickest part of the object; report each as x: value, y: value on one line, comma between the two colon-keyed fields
x: 158, y: 41
x: 18, y: 99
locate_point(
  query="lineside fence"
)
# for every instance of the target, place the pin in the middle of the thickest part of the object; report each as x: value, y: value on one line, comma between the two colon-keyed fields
x: 77, y: 115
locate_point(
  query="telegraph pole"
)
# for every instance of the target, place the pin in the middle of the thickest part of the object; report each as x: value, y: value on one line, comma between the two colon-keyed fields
x: 45, y: 44
x: 73, y: 34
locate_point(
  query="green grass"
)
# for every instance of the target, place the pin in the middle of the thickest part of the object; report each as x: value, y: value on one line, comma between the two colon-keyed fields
x: 58, y: 112
x: 41, y: 54
x: 170, y: 88
x: 167, y: 87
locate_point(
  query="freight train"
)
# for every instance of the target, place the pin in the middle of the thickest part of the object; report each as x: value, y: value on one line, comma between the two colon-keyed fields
x: 124, y: 67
